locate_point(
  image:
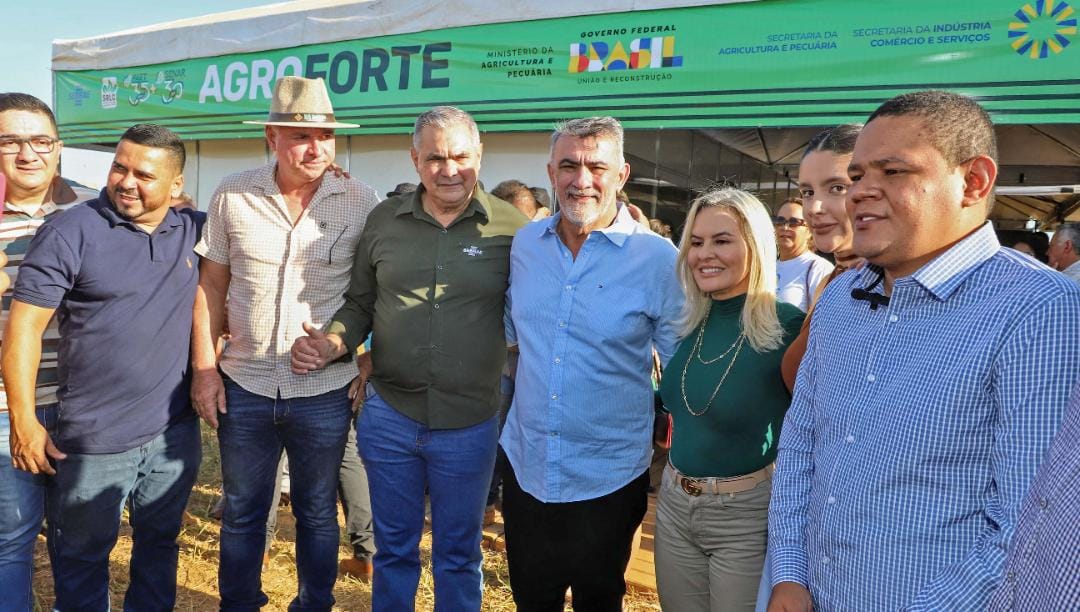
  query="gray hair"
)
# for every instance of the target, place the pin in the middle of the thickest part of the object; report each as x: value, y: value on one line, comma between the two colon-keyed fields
x: 443, y: 117
x: 590, y: 127
x: 1071, y: 232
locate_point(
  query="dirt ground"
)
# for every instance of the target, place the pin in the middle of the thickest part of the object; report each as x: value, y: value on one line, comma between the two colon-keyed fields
x: 197, y: 573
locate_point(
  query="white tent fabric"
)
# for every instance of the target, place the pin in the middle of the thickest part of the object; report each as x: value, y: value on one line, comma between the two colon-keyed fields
x: 308, y: 22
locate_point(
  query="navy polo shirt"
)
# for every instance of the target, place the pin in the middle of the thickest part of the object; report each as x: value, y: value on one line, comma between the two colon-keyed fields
x: 123, y: 300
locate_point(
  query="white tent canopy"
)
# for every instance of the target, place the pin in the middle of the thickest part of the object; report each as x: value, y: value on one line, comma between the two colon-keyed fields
x: 307, y: 22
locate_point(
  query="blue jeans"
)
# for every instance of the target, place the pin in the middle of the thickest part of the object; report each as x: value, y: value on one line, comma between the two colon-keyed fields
x: 22, y: 507
x: 252, y: 435
x: 83, y: 504
x: 402, y: 456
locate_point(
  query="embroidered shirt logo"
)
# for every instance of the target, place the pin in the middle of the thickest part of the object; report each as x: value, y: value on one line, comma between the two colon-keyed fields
x: 472, y: 251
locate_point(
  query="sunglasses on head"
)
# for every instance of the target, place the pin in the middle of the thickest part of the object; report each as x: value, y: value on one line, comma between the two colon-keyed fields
x: 793, y: 222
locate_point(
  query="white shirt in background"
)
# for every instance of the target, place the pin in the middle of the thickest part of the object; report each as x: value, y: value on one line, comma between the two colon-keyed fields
x: 798, y: 278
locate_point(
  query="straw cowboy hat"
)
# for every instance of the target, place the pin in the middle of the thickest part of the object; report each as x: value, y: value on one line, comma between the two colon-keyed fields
x: 300, y: 102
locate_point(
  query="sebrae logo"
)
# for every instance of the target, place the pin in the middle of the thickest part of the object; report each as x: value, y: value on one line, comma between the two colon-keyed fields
x: 108, y: 92
x: 645, y: 53
x: 1043, y: 28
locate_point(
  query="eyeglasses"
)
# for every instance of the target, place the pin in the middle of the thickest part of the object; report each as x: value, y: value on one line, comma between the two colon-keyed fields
x: 10, y: 145
x: 793, y: 222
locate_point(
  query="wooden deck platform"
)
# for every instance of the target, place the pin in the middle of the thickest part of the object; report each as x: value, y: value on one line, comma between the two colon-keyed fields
x: 640, y: 571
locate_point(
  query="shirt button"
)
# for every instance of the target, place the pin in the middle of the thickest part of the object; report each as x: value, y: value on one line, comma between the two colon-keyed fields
x: 434, y: 346
x: 562, y: 323
x: 569, y: 287
x: 831, y: 500
x: 1043, y: 502
x: 894, y: 319
x: 871, y: 378
x: 444, y: 230
x: 554, y: 434
x: 825, y: 560
x: 850, y: 439
x: 554, y: 396
x: 557, y: 360
x: 438, y: 267
x: 436, y: 306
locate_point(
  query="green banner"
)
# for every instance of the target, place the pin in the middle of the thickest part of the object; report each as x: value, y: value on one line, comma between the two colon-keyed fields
x: 766, y: 63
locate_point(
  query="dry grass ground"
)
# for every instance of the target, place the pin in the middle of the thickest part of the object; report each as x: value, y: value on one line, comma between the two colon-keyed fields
x: 197, y: 574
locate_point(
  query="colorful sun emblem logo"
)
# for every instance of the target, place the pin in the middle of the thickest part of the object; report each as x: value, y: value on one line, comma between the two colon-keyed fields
x: 1043, y: 28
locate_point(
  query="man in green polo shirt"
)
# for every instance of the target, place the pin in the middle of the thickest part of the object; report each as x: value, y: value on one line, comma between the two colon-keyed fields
x: 430, y: 279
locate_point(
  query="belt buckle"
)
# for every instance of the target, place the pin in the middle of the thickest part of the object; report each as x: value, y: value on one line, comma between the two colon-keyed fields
x: 691, y: 488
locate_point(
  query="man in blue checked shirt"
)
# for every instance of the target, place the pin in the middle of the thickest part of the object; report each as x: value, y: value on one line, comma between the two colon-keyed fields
x: 934, y: 380
x: 591, y: 293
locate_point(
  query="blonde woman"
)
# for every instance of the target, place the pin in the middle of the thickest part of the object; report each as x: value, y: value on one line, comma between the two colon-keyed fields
x: 724, y: 391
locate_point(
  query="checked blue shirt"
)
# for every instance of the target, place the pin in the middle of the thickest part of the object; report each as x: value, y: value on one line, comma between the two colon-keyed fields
x: 916, y: 429
x: 1043, y: 570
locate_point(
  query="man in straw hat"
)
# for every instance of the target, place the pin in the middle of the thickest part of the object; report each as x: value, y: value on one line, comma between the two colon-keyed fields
x: 279, y: 241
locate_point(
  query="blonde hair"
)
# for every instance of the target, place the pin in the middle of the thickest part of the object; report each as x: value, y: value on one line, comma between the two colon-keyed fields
x: 758, y: 320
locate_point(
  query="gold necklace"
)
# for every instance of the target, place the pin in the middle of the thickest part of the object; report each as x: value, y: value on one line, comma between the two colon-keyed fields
x: 696, y: 348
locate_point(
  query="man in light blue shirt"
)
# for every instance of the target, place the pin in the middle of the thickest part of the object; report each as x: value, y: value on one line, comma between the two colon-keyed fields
x: 933, y: 382
x: 591, y: 294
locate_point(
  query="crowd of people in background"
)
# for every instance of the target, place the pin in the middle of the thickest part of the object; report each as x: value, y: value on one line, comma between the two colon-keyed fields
x: 874, y: 404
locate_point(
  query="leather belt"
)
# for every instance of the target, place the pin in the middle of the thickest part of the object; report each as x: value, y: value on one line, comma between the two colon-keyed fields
x: 716, y: 486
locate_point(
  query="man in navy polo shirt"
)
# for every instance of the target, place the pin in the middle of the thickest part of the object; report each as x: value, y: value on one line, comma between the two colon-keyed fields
x: 120, y: 274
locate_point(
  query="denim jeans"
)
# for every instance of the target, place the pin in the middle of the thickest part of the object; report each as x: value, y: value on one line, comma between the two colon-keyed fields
x: 252, y: 435
x: 22, y: 507
x: 83, y: 504
x: 402, y: 456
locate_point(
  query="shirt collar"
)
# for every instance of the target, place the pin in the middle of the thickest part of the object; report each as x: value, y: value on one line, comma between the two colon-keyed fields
x: 43, y: 211
x: 106, y: 209
x: 619, y: 230
x: 944, y: 274
x: 331, y: 183
x: 412, y: 203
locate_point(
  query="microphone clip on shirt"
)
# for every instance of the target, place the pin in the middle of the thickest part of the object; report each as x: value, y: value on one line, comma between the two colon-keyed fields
x: 868, y: 295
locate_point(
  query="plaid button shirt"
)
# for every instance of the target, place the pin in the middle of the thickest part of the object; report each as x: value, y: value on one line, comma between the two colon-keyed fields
x: 283, y: 275
x: 916, y: 430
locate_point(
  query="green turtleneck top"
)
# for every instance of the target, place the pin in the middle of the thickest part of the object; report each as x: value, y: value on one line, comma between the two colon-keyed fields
x: 738, y: 433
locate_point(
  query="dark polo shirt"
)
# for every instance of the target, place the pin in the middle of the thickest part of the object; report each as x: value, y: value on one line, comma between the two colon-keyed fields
x: 435, y: 299
x: 123, y: 299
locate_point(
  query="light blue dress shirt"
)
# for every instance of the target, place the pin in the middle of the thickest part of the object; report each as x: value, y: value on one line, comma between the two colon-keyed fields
x: 581, y: 423
x: 916, y: 429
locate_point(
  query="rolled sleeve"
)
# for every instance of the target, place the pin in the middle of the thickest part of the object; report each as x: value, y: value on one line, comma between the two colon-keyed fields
x: 214, y: 244
x: 48, y: 271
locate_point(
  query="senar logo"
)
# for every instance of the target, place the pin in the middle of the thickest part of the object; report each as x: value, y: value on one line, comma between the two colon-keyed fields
x: 1041, y: 29
x: 645, y: 53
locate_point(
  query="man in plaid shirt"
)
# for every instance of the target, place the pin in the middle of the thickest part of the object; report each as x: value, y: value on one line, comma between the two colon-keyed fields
x: 279, y: 242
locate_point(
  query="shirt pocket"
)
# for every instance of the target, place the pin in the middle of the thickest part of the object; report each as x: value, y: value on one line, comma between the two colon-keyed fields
x: 611, y: 310
x: 336, y: 242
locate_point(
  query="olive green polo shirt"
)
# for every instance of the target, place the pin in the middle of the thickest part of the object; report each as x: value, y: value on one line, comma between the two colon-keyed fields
x: 434, y: 299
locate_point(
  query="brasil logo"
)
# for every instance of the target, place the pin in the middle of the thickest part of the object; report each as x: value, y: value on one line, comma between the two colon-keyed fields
x: 645, y: 53
x: 1041, y: 29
